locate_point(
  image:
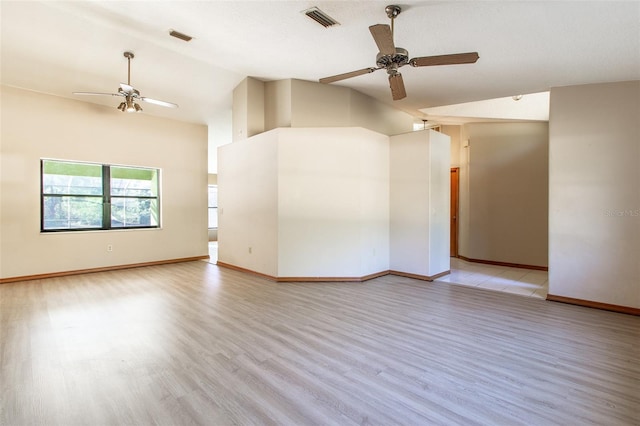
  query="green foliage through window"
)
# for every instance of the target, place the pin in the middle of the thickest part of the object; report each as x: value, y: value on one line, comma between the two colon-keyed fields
x: 83, y: 196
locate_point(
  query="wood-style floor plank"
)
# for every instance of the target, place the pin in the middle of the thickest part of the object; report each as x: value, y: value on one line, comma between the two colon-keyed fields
x: 192, y: 343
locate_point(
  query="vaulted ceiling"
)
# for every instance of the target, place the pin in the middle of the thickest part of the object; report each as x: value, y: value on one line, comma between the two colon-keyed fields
x: 59, y: 47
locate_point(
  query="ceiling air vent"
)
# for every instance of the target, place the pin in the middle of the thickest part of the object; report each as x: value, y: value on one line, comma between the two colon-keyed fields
x: 320, y: 17
x: 180, y: 35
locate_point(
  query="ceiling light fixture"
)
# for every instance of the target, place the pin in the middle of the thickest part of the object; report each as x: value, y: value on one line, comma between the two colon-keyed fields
x: 129, y: 93
x: 129, y: 106
x: 517, y: 97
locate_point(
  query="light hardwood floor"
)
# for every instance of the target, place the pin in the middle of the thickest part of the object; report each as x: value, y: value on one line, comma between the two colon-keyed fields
x: 193, y: 343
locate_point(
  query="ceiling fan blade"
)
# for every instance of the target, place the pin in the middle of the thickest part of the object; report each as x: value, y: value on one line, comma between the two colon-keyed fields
x: 99, y: 94
x: 347, y: 75
x: 397, y: 86
x: 157, y: 102
x: 384, y: 38
x: 456, y: 58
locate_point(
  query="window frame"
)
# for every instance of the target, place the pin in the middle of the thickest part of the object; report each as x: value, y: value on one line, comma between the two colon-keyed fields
x: 209, y: 208
x: 106, y: 198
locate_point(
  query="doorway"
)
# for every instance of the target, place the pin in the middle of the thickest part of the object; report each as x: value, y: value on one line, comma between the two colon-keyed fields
x: 455, y: 171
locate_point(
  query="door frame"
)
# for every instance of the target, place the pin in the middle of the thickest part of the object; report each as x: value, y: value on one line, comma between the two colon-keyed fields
x: 454, y: 213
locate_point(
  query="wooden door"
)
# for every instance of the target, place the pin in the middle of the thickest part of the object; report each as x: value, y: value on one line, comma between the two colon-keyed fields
x: 454, y: 211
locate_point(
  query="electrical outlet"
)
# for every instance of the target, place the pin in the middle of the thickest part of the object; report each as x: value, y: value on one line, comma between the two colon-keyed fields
x: 109, y: 247
x: 250, y: 250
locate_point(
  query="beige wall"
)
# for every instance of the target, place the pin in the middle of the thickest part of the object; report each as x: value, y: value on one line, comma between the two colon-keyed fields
x: 324, y: 105
x: 306, y: 104
x: 36, y: 126
x: 508, y: 192
x: 248, y: 117
x: 594, y: 229
x: 319, y: 105
x: 277, y: 104
x: 503, y: 204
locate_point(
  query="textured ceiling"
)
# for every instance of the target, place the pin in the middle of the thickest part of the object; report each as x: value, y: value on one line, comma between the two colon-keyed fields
x: 525, y: 47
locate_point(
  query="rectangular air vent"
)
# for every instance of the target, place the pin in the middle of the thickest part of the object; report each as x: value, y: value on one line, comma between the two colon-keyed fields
x: 180, y: 35
x: 320, y: 17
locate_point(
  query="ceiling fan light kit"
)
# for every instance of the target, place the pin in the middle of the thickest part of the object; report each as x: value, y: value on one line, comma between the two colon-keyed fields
x: 391, y: 58
x: 129, y: 93
x: 129, y: 106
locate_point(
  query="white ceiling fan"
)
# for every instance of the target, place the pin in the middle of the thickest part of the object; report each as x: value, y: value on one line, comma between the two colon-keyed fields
x: 130, y: 94
x: 391, y: 57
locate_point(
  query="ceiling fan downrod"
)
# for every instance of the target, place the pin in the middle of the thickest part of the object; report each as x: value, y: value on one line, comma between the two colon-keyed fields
x: 129, y: 56
x: 392, y: 11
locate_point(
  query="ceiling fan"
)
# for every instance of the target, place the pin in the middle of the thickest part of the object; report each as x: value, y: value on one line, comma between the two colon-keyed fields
x: 391, y: 57
x: 130, y: 94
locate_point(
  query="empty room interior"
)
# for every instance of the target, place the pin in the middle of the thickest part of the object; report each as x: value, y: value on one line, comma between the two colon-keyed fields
x: 300, y: 213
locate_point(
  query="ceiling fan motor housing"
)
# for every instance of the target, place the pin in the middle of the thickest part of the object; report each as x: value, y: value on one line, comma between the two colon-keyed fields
x: 392, y: 11
x: 400, y: 58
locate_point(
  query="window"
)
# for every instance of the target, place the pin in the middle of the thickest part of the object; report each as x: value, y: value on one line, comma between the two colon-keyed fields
x: 213, y: 206
x: 84, y: 196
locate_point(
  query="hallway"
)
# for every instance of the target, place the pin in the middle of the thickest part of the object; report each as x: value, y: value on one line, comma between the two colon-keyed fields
x: 525, y: 282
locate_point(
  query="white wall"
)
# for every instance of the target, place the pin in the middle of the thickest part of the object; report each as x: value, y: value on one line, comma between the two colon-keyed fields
x: 309, y: 202
x: 220, y: 133
x: 454, y: 132
x: 419, y: 203
x: 248, y: 204
x: 439, y: 203
x: 504, y: 193
x: 36, y: 126
x: 333, y: 202
x: 594, y: 228
x: 240, y: 113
